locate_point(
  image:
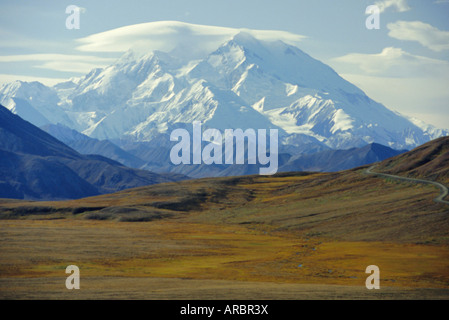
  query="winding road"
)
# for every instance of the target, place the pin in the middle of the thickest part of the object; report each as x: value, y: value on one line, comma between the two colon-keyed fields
x: 443, y: 188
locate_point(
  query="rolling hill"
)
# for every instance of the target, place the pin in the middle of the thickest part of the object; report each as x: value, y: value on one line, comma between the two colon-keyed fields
x: 429, y: 161
x: 348, y: 204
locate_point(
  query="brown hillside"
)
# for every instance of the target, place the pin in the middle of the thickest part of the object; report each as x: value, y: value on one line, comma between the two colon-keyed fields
x: 348, y: 205
x: 429, y: 161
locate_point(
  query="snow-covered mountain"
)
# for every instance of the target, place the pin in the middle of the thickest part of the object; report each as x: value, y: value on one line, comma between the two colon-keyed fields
x: 243, y: 83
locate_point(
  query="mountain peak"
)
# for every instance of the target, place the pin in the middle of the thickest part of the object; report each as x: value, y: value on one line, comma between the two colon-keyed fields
x: 244, y: 38
x: 128, y: 57
x: 200, y: 73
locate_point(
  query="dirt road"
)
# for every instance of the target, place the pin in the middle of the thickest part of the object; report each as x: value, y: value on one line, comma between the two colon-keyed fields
x: 443, y: 188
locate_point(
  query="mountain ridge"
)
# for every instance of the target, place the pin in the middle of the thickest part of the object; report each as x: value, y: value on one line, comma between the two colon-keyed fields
x: 35, y: 165
x: 245, y: 82
x: 86, y: 145
x: 338, y: 160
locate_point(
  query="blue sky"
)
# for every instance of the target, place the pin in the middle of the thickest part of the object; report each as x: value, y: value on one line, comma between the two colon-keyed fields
x: 404, y: 64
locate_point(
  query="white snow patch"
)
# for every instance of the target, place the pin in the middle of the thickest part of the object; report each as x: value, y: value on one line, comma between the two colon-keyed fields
x: 342, y: 121
x: 290, y: 89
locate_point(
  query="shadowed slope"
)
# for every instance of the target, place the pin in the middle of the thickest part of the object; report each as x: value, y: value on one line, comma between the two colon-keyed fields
x: 34, y: 165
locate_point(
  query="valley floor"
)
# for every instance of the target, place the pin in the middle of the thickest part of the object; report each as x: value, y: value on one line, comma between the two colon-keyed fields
x: 291, y: 236
x: 167, y: 260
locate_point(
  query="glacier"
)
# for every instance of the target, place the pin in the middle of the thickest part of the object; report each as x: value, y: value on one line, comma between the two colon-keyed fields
x: 243, y: 82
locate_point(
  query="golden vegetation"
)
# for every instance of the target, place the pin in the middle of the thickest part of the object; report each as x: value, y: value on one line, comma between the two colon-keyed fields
x: 289, y: 229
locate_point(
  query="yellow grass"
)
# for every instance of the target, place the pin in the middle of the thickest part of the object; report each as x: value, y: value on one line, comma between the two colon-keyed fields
x: 322, y: 229
x: 198, y: 251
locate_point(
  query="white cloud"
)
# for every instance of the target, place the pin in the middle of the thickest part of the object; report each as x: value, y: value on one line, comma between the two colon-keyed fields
x: 423, y: 98
x: 60, y: 62
x: 401, y: 5
x: 411, y: 84
x: 167, y: 36
x: 426, y: 34
x: 16, y: 40
x: 392, y: 62
x: 73, y: 66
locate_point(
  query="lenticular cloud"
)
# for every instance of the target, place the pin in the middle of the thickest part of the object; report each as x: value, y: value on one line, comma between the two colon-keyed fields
x: 194, y: 41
